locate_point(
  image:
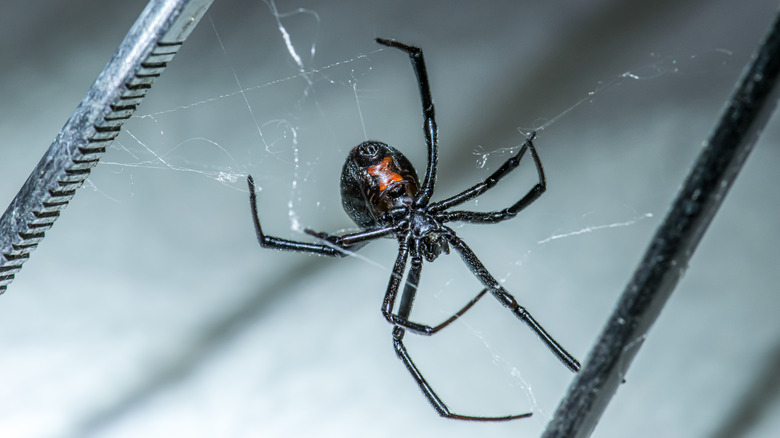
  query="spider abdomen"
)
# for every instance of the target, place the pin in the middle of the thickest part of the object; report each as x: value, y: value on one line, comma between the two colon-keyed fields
x: 375, y: 179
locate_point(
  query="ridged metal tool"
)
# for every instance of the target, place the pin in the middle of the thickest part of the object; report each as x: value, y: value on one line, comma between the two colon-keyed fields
x: 152, y: 42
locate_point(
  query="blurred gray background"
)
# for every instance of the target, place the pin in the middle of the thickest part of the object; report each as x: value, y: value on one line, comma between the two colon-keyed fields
x: 150, y: 309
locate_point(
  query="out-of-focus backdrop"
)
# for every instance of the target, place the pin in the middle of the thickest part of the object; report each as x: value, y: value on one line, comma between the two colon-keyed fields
x: 150, y: 310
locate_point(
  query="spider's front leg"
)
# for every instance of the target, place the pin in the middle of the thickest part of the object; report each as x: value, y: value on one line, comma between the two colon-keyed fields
x: 436, y: 401
x: 505, y: 298
x: 410, y: 289
x: 402, y: 323
x: 401, y: 319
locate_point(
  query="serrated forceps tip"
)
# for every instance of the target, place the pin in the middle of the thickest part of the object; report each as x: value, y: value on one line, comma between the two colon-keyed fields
x: 142, y: 56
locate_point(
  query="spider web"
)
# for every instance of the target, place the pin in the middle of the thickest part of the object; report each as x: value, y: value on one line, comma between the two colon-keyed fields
x: 288, y: 113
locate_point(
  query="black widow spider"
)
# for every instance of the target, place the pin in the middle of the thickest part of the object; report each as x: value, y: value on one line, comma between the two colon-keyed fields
x: 381, y: 193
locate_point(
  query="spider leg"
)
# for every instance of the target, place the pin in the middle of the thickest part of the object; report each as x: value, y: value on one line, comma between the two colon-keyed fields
x: 351, y: 242
x: 505, y: 298
x: 460, y: 312
x: 430, y: 394
x: 429, y: 118
x: 471, y: 193
x: 401, y: 319
x: 410, y: 289
x: 339, y: 247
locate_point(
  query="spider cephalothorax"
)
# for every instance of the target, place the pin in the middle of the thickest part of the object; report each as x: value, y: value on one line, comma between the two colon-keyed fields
x: 381, y: 193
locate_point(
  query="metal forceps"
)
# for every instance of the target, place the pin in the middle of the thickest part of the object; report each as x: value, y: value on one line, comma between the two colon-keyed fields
x: 142, y: 56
